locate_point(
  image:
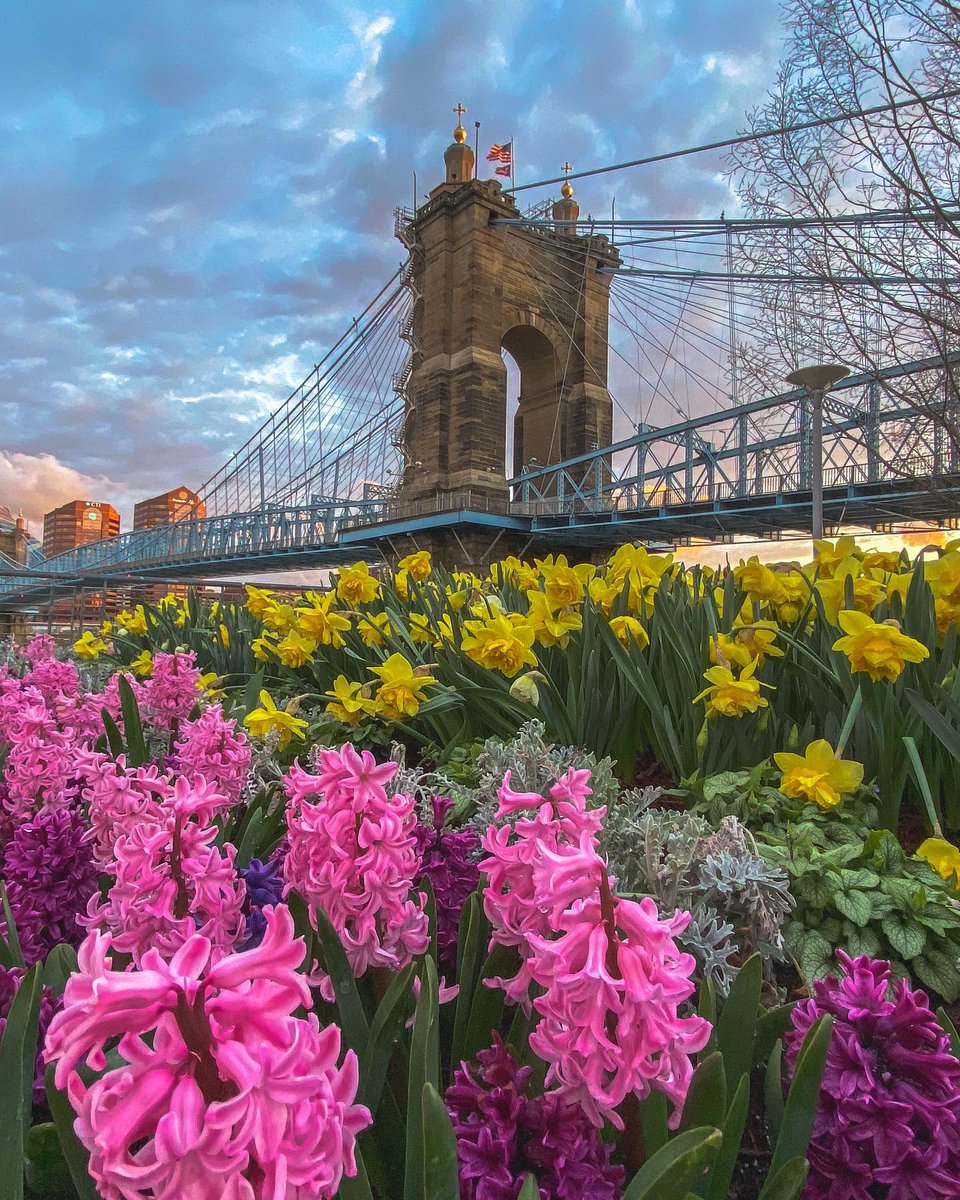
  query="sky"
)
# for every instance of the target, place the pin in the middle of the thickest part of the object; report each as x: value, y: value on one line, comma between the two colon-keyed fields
x: 197, y: 198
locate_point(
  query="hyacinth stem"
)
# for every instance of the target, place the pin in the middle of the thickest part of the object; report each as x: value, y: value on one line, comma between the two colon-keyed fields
x: 194, y: 1026
x: 181, y: 905
x: 610, y: 924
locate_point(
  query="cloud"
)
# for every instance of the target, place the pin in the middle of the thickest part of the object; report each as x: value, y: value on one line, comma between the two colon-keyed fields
x: 41, y: 482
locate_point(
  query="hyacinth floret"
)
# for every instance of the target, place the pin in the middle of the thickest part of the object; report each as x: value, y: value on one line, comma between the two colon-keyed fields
x: 50, y: 876
x: 171, y: 880
x: 118, y: 798
x: 222, y: 1094
x: 263, y: 886
x: 353, y: 854
x: 172, y: 691
x: 609, y: 976
x: 888, y: 1121
x: 502, y: 1133
x: 213, y: 748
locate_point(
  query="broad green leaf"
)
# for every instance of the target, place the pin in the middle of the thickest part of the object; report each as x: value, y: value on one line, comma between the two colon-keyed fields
x: 788, y: 1182
x: 46, y: 1169
x: 738, y: 1021
x: 855, y: 906
x: 353, y: 1018
x: 803, y: 1096
x: 706, y: 1102
x: 74, y: 1151
x: 679, y: 1166
x: 860, y: 941
x: 386, y: 1023
x: 906, y: 937
x: 18, y: 1052
x: 654, y: 1117
x: 136, y: 746
x: 770, y: 1028
x: 815, y: 955
x: 937, y: 970
x: 441, y: 1180
x: 60, y: 965
x: 356, y: 1187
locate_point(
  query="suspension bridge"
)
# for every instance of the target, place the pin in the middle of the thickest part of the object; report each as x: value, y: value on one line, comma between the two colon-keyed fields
x: 538, y: 380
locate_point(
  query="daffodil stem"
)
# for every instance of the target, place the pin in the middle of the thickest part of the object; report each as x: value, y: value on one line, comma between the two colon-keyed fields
x: 923, y: 785
x: 852, y: 713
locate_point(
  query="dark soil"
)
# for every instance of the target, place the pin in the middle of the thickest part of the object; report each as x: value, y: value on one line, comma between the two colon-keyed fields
x: 650, y: 773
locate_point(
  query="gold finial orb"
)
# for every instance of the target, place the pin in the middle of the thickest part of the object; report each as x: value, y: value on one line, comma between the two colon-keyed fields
x: 459, y: 134
x: 566, y: 191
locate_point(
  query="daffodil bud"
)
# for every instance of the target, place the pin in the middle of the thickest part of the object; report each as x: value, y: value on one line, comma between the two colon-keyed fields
x: 525, y: 688
x: 703, y: 737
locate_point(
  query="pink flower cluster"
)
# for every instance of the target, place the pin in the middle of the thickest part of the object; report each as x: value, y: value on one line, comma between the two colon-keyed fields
x: 353, y: 854
x: 609, y: 976
x: 213, y: 748
x: 222, y: 1094
x: 172, y: 692
x: 171, y: 880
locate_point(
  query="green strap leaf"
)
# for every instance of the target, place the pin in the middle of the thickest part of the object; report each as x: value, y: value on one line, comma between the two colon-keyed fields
x: 424, y: 1069
x: 14, y: 953
x: 529, y: 1191
x: 132, y: 725
x: 804, y: 1095
x: 18, y: 1052
x: 679, y: 1166
x: 356, y: 1187
x: 733, y: 1127
x: 74, y: 1151
x: 773, y: 1090
x: 386, y: 1022
x: 706, y: 1102
x: 788, y: 1182
x: 469, y: 953
x: 737, y: 1023
x: 45, y: 1167
x: 441, y: 1179
x: 60, y: 965
x: 486, y: 1011
x: 114, y: 737
x: 654, y: 1117
x: 353, y: 1018
x: 950, y: 1030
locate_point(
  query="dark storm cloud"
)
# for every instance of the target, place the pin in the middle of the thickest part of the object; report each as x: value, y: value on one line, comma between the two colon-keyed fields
x: 197, y: 199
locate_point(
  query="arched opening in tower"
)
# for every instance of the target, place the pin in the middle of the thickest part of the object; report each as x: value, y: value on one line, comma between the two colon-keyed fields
x: 536, y: 416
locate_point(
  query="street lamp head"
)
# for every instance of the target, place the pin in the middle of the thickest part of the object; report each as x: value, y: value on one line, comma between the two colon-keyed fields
x: 819, y: 377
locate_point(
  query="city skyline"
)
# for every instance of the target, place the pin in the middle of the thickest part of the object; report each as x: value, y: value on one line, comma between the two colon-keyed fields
x: 193, y: 211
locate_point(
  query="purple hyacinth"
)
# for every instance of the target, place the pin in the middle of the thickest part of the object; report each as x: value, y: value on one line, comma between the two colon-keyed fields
x: 502, y: 1134
x: 448, y: 858
x: 888, y: 1123
x: 264, y: 886
x: 50, y: 876
x: 10, y: 980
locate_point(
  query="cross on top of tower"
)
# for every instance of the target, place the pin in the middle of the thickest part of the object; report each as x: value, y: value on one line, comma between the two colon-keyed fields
x: 459, y: 134
x: 567, y: 190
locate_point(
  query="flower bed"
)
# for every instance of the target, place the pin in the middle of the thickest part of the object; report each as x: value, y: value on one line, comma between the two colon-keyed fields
x: 359, y: 895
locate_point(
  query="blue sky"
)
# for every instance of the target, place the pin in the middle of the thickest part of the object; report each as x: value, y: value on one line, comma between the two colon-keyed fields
x: 196, y: 198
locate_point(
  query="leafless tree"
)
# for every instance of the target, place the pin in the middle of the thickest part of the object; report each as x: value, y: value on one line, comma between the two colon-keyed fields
x: 878, y: 287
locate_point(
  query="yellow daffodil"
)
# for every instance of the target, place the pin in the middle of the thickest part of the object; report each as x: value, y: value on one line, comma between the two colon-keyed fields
x: 638, y: 562
x: 604, y: 593
x: 511, y: 572
x: 728, y: 696
x: 347, y: 703
x: 796, y: 594
x: 818, y: 774
x: 89, y: 646
x: 355, y: 585
x: 264, y: 647
x: 401, y: 692
x: 295, y: 650
x: 880, y: 650
x: 268, y: 717
x: 524, y: 688
x: 401, y: 584
x: 827, y: 556
x: 421, y: 632
x: 898, y: 584
x: 943, y: 575
x: 135, y: 622
x: 499, y: 644
x: 320, y: 623
x: 209, y: 684
x: 943, y: 856
x: 552, y: 625
x: 457, y: 597
x: 259, y: 600
x: 279, y: 618
x: 418, y: 565
x: 106, y: 628
x: 887, y: 561
x: 761, y: 583
x: 562, y: 583
x: 948, y: 613
x: 142, y: 665
x: 866, y: 593
x: 374, y: 629
x: 745, y: 644
x: 629, y: 631
x: 224, y: 636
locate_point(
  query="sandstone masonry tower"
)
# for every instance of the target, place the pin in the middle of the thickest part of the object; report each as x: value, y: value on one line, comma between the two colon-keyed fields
x: 481, y: 287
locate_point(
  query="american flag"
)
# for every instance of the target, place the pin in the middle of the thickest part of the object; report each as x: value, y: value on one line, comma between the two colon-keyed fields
x: 501, y: 154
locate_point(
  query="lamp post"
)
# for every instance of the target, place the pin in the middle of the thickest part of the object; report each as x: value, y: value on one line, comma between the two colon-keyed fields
x: 817, y: 380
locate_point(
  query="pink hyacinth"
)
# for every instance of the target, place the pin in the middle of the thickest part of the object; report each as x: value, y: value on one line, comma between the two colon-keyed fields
x: 119, y: 798
x: 212, y: 748
x: 171, y: 879
x: 172, y: 691
x: 42, y: 647
x: 608, y: 973
x: 223, y: 1094
x: 353, y: 854
x: 39, y: 769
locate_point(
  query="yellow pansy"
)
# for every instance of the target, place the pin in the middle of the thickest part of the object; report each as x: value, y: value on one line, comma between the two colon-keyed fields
x: 296, y: 650
x: 355, y: 585
x: 400, y: 693
x: 499, y: 644
x: 347, y: 703
x: 89, y: 646
x: 879, y: 650
x: 818, y: 774
x: 629, y: 631
x: 268, y: 717
x: 419, y: 565
x: 320, y: 623
x: 746, y: 643
x: 142, y: 665
x: 943, y: 856
x: 552, y: 625
x: 728, y: 696
x: 374, y: 629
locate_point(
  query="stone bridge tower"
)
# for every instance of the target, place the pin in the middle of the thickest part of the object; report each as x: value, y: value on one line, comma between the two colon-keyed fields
x: 481, y: 286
